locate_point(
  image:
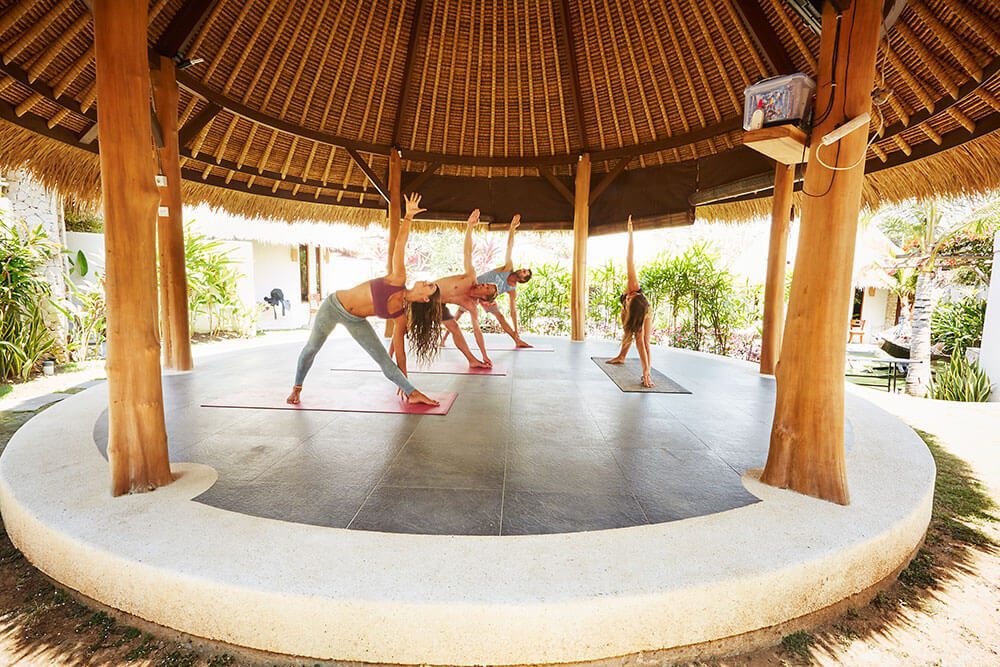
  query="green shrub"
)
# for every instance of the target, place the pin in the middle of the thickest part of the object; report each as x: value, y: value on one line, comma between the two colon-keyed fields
x: 961, y: 380
x: 212, y: 286
x: 958, y: 324
x: 87, y: 311
x: 81, y: 220
x: 25, y: 340
x: 543, y: 302
x: 604, y: 289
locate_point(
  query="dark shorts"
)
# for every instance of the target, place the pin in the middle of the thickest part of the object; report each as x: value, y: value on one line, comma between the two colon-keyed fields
x: 446, y: 313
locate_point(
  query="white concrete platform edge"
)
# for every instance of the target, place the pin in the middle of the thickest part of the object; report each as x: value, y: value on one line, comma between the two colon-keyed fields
x: 354, y: 595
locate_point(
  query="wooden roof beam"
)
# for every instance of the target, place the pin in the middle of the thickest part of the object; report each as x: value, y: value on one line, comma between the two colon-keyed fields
x: 183, y: 26
x: 567, y: 45
x: 42, y: 89
x: 419, y: 12
x: 370, y: 173
x: 764, y: 36
x: 197, y: 124
x: 422, y: 177
x: 558, y: 185
x: 609, y: 178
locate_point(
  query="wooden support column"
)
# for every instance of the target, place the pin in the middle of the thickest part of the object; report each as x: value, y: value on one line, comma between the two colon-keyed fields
x: 137, y: 438
x: 774, y: 287
x: 170, y: 228
x: 395, y: 212
x: 807, y: 438
x: 581, y: 225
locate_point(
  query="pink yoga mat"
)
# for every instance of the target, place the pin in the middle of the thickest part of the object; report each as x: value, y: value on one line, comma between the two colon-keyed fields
x: 509, y: 347
x: 440, y: 366
x: 381, y: 400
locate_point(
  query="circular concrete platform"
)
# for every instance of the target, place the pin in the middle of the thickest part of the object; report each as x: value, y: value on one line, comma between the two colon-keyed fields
x: 263, y: 568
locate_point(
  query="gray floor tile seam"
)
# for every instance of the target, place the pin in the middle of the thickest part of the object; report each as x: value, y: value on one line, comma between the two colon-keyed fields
x: 432, y: 487
x: 506, y: 454
x: 378, y: 482
x: 631, y: 490
x: 278, y: 460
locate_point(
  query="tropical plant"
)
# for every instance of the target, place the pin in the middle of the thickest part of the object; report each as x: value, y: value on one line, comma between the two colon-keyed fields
x: 543, y: 302
x: 958, y: 324
x: 87, y: 311
x: 80, y: 219
x: 923, y: 228
x: 25, y: 340
x: 605, y: 287
x: 961, y: 380
x: 212, y: 286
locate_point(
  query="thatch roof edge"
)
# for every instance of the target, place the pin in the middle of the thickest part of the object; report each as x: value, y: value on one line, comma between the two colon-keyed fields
x: 968, y: 169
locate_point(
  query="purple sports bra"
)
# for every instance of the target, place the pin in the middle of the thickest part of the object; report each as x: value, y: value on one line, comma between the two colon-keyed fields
x: 381, y: 291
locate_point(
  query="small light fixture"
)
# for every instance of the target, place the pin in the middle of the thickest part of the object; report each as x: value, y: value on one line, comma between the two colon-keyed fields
x: 161, y: 181
x: 185, y: 63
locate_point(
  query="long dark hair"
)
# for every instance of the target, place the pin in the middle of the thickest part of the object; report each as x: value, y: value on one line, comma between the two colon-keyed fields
x: 423, y: 329
x: 637, y: 310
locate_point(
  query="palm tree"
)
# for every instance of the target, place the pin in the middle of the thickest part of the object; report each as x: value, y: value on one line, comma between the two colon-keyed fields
x: 922, y: 227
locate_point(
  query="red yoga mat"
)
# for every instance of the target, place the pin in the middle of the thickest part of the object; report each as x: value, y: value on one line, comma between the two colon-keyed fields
x: 440, y: 366
x: 381, y: 400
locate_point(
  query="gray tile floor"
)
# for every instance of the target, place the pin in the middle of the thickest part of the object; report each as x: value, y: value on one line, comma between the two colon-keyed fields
x: 554, y: 446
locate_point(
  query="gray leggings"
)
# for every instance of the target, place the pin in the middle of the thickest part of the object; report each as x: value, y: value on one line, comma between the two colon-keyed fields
x: 332, y: 313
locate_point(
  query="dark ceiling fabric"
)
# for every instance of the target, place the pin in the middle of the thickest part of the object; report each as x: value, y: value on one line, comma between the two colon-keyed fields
x: 740, y: 162
x: 497, y: 198
x: 644, y: 193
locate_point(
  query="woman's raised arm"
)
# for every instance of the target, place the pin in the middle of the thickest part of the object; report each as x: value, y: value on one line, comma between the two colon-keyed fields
x: 398, y: 274
x: 633, y: 278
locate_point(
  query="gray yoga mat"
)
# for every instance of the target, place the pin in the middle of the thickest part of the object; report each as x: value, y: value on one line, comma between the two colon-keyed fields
x: 628, y: 377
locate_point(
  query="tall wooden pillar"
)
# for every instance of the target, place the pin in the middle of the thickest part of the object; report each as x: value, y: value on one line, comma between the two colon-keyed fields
x: 581, y: 229
x: 774, y: 287
x: 395, y: 211
x: 137, y: 438
x: 170, y: 228
x: 807, y: 438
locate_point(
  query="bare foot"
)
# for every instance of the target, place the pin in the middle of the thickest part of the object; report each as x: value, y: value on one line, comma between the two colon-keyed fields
x: 617, y: 361
x: 418, y: 398
x: 521, y: 343
x: 293, y: 398
x: 475, y: 363
x: 647, y: 382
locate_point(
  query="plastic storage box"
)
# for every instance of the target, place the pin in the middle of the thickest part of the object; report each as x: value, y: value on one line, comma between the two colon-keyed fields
x: 783, y: 99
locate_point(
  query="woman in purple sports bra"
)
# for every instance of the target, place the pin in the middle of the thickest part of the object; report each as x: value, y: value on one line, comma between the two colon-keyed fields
x: 637, y: 317
x: 416, y: 312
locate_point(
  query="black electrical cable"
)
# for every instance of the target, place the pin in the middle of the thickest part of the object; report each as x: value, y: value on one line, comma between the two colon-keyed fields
x: 843, y: 108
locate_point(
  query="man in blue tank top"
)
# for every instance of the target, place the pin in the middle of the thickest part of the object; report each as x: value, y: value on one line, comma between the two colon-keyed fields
x: 506, y: 280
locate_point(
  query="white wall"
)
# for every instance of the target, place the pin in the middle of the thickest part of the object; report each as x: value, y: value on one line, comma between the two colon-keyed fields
x: 275, y: 266
x: 873, y: 313
x: 92, y: 245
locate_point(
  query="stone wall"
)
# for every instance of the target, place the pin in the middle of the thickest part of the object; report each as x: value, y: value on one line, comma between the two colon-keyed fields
x: 29, y: 201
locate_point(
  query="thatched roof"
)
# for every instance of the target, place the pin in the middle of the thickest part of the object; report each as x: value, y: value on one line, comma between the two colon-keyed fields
x: 492, y: 102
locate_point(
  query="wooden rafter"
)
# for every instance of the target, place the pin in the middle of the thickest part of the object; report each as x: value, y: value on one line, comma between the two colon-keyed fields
x: 800, y: 43
x: 369, y: 172
x: 558, y: 185
x: 43, y: 90
x: 183, y: 25
x: 762, y: 33
x: 197, y: 124
x: 419, y: 12
x: 421, y: 178
x: 567, y: 47
x: 598, y: 190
